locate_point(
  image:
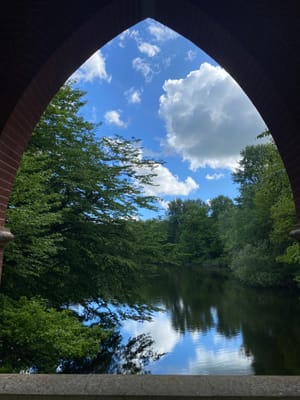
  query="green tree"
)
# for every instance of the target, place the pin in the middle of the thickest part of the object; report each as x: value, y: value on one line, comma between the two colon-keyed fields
x: 34, y: 336
x: 70, y: 209
x: 31, y: 216
x: 86, y: 188
x: 152, y: 248
x: 175, y: 212
x: 256, y: 233
x: 191, y: 229
x: 195, y: 236
x: 219, y: 207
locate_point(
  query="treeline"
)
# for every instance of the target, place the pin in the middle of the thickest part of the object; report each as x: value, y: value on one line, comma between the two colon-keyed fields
x: 249, y: 234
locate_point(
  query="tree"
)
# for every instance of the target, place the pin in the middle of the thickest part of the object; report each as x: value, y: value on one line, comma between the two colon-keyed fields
x: 84, y: 190
x: 70, y: 208
x: 191, y: 229
x: 37, y: 338
x: 219, y: 207
x: 255, y: 234
x: 175, y: 212
x: 32, y: 218
x: 152, y: 248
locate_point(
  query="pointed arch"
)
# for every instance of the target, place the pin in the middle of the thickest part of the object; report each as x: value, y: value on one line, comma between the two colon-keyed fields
x: 45, y: 41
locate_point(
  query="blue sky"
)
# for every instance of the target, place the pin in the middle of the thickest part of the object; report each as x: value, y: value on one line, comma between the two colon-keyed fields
x: 193, y: 352
x: 152, y: 84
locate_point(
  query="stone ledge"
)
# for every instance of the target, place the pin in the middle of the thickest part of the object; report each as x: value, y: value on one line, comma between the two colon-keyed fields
x: 117, y: 387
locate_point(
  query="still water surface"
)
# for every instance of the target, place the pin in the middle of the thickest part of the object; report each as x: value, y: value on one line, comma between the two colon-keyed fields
x: 212, y: 325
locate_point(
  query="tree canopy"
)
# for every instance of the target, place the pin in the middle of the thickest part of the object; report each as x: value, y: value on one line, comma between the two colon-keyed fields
x: 70, y: 208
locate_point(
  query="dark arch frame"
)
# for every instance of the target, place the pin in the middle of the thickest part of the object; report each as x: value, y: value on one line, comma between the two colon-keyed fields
x: 44, y: 41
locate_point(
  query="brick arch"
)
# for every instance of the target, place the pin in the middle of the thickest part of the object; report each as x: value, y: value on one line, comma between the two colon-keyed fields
x: 45, y: 41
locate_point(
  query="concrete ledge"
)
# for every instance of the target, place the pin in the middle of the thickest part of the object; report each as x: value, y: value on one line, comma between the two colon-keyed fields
x: 117, y: 387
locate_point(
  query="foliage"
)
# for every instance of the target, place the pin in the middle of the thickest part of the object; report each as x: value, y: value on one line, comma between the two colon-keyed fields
x: 74, y: 210
x: 254, y: 266
x: 70, y: 208
x: 36, y: 337
x: 116, y: 357
x: 255, y: 233
x: 193, y: 228
x: 152, y: 248
x: 32, y: 217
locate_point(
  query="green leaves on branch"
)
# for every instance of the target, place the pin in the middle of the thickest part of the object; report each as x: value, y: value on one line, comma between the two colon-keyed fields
x: 34, y: 336
x: 70, y: 211
x: 256, y: 234
x: 70, y: 203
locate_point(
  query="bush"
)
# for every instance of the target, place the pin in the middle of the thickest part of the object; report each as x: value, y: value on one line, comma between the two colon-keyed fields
x: 255, y: 266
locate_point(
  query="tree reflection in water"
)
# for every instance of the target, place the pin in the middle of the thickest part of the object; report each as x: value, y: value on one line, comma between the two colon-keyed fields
x: 262, y: 325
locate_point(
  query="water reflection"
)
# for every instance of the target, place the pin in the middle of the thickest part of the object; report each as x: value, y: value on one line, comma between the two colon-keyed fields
x: 212, y: 325
x: 160, y: 328
x: 192, y: 352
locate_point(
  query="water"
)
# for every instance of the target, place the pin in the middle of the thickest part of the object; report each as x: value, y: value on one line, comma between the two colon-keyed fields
x: 212, y: 325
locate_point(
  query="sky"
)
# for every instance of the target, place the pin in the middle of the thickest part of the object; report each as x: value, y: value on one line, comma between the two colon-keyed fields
x: 153, y: 84
x: 192, y: 353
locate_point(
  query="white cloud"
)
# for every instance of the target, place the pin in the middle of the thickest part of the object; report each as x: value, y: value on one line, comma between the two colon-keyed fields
x: 144, y: 47
x: 161, y: 32
x: 149, y: 49
x: 146, y: 69
x: 167, y: 184
x: 128, y: 34
x: 93, y: 68
x: 113, y: 117
x: 196, y: 335
x: 133, y: 95
x: 230, y: 361
x: 190, y: 55
x: 160, y: 329
x: 208, y: 118
x: 215, y: 176
x: 164, y: 204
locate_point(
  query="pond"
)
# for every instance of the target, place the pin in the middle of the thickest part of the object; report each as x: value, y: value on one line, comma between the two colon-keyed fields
x: 211, y: 325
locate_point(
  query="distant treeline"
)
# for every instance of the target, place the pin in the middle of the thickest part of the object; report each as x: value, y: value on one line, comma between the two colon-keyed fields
x: 250, y: 235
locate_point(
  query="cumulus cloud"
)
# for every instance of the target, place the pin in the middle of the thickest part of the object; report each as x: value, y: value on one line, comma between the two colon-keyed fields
x: 149, y: 49
x: 160, y: 329
x: 167, y: 184
x: 133, y: 95
x: 146, y: 69
x: 113, y: 117
x: 215, y: 176
x: 208, y: 118
x: 94, y: 68
x: 161, y: 32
